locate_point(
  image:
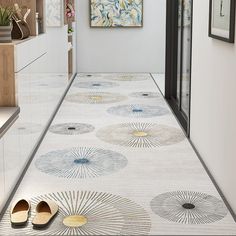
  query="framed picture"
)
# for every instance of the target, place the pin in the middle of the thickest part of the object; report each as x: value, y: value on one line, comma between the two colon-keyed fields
x: 54, y: 16
x: 222, y: 20
x: 119, y: 13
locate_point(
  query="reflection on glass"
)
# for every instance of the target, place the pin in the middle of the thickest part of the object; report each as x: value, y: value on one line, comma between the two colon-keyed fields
x: 186, y: 57
x: 179, y: 51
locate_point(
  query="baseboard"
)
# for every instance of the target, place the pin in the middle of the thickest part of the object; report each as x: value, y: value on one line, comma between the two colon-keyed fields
x: 213, y: 180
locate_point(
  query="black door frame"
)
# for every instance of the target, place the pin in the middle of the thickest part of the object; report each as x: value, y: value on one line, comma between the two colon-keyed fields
x: 172, y: 15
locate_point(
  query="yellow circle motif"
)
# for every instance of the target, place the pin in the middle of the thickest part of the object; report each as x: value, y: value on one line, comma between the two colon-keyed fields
x: 96, y: 98
x: 140, y: 134
x: 75, y: 221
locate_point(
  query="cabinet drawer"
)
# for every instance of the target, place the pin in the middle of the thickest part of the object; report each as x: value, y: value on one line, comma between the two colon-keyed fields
x: 24, y: 55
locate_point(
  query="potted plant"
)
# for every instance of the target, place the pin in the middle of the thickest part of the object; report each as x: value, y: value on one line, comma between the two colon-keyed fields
x: 5, y: 24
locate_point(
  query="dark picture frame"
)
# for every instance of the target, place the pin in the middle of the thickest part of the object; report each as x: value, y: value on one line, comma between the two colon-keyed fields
x: 93, y: 26
x: 226, y: 35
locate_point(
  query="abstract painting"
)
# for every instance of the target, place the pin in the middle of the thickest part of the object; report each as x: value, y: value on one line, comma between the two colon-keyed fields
x: 116, y: 13
x: 54, y: 13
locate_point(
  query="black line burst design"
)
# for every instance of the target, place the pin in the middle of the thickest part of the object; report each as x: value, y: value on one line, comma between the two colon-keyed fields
x: 89, y: 213
x: 140, y: 135
x: 25, y: 128
x: 71, y: 128
x: 145, y: 95
x: 81, y: 162
x: 90, y: 76
x: 138, y: 111
x: 95, y: 85
x: 189, y: 207
x: 95, y: 98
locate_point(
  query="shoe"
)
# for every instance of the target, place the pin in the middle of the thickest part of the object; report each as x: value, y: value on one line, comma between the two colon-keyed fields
x: 20, y: 212
x: 45, y: 212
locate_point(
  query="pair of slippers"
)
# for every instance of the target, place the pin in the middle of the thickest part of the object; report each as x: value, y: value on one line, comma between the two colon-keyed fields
x: 45, y: 212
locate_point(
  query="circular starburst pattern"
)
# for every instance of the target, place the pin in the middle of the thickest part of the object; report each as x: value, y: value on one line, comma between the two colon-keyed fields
x: 26, y: 128
x: 88, y: 213
x: 81, y: 162
x: 189, y: 207
x: 138, y: 111
x: 71, y: 128
x: 145, y: 95
x: 95, y: 98
x: 95, y: 85
x: 90, y: 76
x: 55, y: 83
x: 140, y: 135
x: 128, y: 77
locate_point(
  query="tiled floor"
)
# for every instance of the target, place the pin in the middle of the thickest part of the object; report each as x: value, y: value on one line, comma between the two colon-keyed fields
x: 117, y: 163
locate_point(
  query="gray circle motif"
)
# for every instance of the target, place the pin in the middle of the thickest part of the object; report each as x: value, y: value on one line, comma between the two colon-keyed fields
x: 90, y: 76
x: 71, y: 128
x: 50, y: 84
x: 188, y: 207
x: 95, y: 98
x: 81, y: 163
x: 27, y: 128
x: 140, y: 135
x: 96, y: 85
x: 91, y: 213
x: 138, y: 111
x: 145, y: 95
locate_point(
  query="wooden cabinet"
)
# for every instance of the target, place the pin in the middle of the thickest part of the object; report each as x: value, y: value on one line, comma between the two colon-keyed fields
x: 7, y: 78
x: 13, y: 58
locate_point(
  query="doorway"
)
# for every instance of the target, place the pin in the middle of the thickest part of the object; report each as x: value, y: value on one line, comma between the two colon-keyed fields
x: 178, y: 59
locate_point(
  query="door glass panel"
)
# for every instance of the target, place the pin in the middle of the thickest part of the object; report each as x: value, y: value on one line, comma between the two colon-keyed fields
x: 186, y: 56
x: 179, y: 52
x: 179, y: 59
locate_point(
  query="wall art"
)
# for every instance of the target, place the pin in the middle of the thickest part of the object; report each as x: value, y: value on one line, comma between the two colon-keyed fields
x: 54, y: 9
x: 117, y: 13
x: 222, y: 20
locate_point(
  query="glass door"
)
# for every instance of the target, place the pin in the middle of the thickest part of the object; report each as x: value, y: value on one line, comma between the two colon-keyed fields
x: 178, y: 64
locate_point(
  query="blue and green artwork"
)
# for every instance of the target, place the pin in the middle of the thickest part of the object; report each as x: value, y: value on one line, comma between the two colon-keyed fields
x: 116, y: 13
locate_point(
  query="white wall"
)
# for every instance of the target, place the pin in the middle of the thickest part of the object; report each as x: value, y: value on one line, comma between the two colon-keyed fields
x: 57, y: 50
x: 123, y: 50
x: 213, y: 115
